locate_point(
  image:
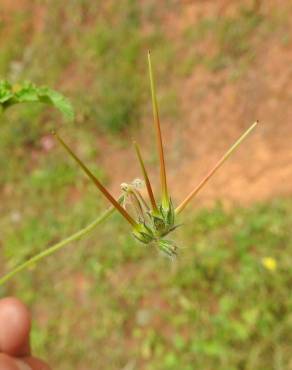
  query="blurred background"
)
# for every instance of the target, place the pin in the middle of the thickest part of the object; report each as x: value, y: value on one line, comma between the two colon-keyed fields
x: 105, y: 302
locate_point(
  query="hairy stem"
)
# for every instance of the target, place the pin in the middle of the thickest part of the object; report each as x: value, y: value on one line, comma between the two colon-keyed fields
x: 54, y: 248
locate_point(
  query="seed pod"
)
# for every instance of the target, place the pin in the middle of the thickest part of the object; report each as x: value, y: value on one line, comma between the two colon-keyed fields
x: 133, y: 202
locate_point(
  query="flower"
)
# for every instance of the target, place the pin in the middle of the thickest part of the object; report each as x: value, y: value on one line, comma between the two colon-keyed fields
x: 269, y: 263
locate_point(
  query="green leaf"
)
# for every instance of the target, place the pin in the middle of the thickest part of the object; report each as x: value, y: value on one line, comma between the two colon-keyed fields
x: 50, y: 96
x: 27, y: 92
x: 5, y: 91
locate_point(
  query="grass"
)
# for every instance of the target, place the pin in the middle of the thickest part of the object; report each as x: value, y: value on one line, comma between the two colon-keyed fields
x: 218, y: 306
x: 113, y: 97
x: 115, y: 46
x: 232, y: 40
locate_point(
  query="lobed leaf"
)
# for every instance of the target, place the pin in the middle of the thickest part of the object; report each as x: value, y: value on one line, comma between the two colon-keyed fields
x: 28, y: 92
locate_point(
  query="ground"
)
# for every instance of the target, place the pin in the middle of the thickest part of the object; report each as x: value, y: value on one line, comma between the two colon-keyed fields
x: 215, y: 107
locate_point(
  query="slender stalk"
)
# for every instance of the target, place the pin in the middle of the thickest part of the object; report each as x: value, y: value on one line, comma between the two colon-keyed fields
x: 165, y: 198
x: 119, y: 208
x: 214, y: 169
x: 146, y: 178
x: 54, y: 248
x: 141, y: 199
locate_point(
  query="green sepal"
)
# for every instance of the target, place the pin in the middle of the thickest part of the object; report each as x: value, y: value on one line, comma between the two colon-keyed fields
x: 158, y: 223
x: 168, y: 247
x: 170, y: 215
x: 143, y: 233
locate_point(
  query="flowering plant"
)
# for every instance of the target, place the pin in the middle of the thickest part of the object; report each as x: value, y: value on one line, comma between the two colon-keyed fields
x: 152, y: 221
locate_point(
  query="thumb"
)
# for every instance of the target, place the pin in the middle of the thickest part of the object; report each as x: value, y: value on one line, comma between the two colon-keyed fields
x: 15, y: 327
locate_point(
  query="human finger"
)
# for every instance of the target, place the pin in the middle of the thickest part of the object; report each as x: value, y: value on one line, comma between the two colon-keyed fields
x: 15, y: 323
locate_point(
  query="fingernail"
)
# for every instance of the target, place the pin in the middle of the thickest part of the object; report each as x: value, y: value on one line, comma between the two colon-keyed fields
x: 22, y: 366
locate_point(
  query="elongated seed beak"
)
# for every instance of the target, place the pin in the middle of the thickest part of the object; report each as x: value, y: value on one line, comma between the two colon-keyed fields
x: 164, y: 191
x: 215, y: 168
x: 115, y: 203
x: 146, y: 178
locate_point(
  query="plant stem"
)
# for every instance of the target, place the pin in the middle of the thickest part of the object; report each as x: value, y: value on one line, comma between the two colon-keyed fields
x: 146, y: 178
x: 54, y: 248
x: 165, y: 198
x: 98, y: 184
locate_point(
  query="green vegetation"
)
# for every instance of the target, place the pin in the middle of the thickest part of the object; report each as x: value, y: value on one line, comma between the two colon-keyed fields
x: 217, y: 306
x: 118, y: 49
x: 27, y: 92
x: 105, y: 80
x: 151, y: 222
x: 232, y: 39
